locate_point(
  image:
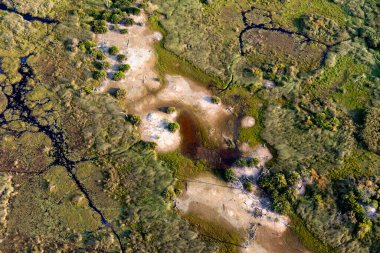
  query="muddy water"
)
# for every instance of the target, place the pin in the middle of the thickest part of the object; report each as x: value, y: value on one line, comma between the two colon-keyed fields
x: 190, y: 132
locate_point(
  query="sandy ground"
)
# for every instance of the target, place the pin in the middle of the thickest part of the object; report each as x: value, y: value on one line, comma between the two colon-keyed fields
x: 154, y: 128
x: 137, y: 45
x: 247, y: 122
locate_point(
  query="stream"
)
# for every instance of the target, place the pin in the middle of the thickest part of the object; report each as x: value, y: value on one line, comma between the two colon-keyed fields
x: 17, y: 103
x: 28, y: 16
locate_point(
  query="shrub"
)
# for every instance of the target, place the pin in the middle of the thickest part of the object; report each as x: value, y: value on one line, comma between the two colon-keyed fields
x: 173, y: 127
x: 86, y: 46
x: 133, y: 119
x: 113, y: 50
x: 99, y: 26
x: 121, y: 57
x: 248, y: 186
x: 118, y: 76
x: 123, y: 31
x: 215, y: 100
x: 115, y: 18
x: 253, y: 162
x: 121, y: 93
x: 124, y: 67
x: 99, y: 75
x: 129, y: 22
x: 170, y: 110
x: 133, y: 10
x: 242, y: 162
x: 99, y: 55
x: 102, y: 65
x: 229, y: 175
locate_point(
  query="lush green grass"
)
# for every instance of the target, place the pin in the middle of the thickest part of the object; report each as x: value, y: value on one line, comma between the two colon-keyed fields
x: 182, y: 167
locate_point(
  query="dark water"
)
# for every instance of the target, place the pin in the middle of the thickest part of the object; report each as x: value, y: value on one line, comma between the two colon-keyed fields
x: 192, y: 144
x: 29, y: 17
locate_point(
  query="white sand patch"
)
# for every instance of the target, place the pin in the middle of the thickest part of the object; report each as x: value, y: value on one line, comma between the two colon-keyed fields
x: 197, y: 98
x: 137, y: 45
x: 248, y: 122
x: 154, y: 128
x: 237, y: 207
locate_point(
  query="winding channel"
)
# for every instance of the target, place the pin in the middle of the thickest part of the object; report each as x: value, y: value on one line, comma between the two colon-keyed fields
x: 28, y: 16
x: 264, y: 26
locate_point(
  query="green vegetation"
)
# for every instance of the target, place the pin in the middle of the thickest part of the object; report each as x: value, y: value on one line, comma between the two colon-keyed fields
x: 121, y: 94
x: 99, y: 75
x: 371, y: 131
x: 121, y: 57
x: 113, y: 50
x: 215, y: 100
x: 118, y: 75
x: 173, y: 127
x: 170, y: 110
x: 133, y: 119
x: 124, y: 67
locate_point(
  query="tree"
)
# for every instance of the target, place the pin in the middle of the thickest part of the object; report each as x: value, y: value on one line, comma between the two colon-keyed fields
x: 229, y: 175
x: 118, y: 76
x: 113, y: 50
x: 124, y: 67
x: 99, y: 75
x: 133, y: 119
x: 121, y: 57
x: 215, y: 100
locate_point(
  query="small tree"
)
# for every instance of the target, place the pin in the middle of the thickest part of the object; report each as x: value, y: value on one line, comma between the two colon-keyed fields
x: 99, y: 75
x: 123, y: 31
x: 124, y: 67
x: 113, y: 50
x: 253, y: 162
x: 248, y: 186
x: 118, y: 76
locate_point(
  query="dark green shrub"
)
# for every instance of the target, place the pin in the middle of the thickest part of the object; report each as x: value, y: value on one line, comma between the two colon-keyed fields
x: 99, y: 26
x: 133, y: 10
x: 253, y: 162
x: 99, y: 75
x: 129, y: 22
x: 229, y: 175
x: 242, y: 162
x: 173, y: 127
x: 124, y: 67
x: 121, y: 94
x: 99, y: 55
x: 121, y: 57
x: 86, y: 46
x: 118, y: 76
x: 133, y: 119
x: 115, y: 18
x: 102, y: 65
x: 123, y: 31
x: 113, y: 50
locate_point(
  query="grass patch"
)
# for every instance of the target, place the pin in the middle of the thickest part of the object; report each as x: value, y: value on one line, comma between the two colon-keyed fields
x: 247, y: 104
x: 306, y: 237
x: 183, y: 167
x: 223, y: 234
